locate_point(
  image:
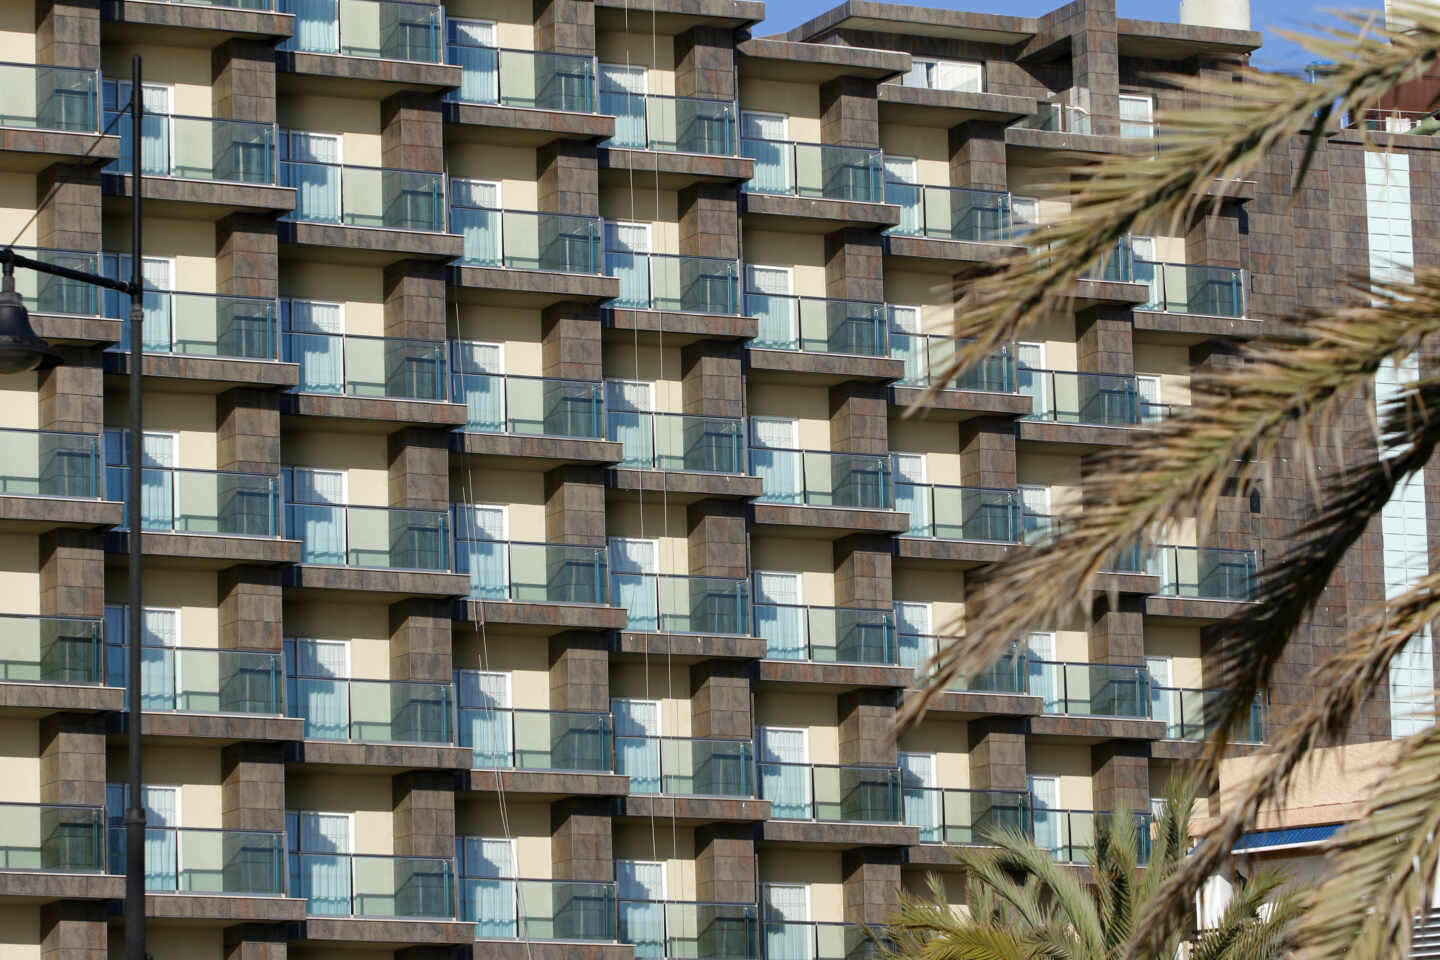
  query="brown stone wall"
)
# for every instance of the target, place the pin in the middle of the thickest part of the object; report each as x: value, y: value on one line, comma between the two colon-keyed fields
x: 72, y: 573
x: 420, y: 640
x: 867, y: 723
x: 705, y: 63
x: 1120, y: 775
x: 570, y: 341
x: 855, y: 265
x: 709, y: 220
x: 72, y: 395
x: 415, y: 300
x: 713, y: 378
x: 75, y: 930
x: 863, y: 571
x: 977, y: 156
x: 718, y: 539
x: 72, y: 759
x: 565, y: 26
x: 568, y: 173
x: 256, y: 941
x: 1104, y: 342
x: 67, y: 34
x: 725, y: 863
x: 997, y: 753
x: 580, y: 672
x: 419, y: 469
x: 252, y: 609
x: 580, y: 840
x: 575, y: 506
x: 720, y: 699
x: 242, y: 80
x: 252, y: 791
x: 247, y: 256
x: 859, y: 418
x: 872, y: 884
x: 849, y: 112
x: 987, y: 453
x: 70, y: 220
x: 424, y: 813
x: 247, y: 431
x: 1117, y: 629
x: 412, y: 132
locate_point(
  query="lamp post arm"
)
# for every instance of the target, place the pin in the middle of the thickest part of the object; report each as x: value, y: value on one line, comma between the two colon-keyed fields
x: 9, y: 257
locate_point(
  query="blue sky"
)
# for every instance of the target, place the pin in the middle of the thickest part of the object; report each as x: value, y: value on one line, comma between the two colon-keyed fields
x: 1265, y: 15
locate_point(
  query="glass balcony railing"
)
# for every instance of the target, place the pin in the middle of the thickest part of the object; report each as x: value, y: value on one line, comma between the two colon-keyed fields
x: 377, y: 29
x: 374, y: 537
x: 207, y: 861
x: 365, y: 196
x: 388, y: 368
x: 506, y: 739
x: 532, y: 79
x: 531, y: 572
x: 503, y: 908
x: 527, y: 239
x: 698, y: 931
x: 1069, y: 835
x: 1208, y: 573
x: 964, y: 816
x: 797, y: 940
x: 662, y: 281
x: 815, y: 791
x: 231, y: 4
x: 198, y: 324
x: 1058, y: 118
x: 1193, y: 289
x: 686, y: 767
x: 371, y: 711
x: 196, y: 148
x: 52, y: 838
x: 528, y: 406
x: 1184, y: 714
x: 215, y: 502
x: 826, y: 634
x: 815, y: 170
x: 48, y: 463
x: 953, y: 213
x: 36, y: 649
x: 369, y: 885
x: 671, y: 124
x: 1096, y: 399
x: 1090, y: 689
x: 821, y: 478
x: 678, y: 441
x: 680, y: 604
x: 48, y: 294
x: 818, y: 324
x: 959, y: 513
x: 40, y: 97
x: 197, y: 679
x: 1116, y: 266
x: 927, y: 355
x: 1008, y: 674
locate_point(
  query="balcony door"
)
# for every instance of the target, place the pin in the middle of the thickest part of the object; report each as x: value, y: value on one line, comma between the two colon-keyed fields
x: 487, y: 886
x: 622, y: 95
x: 1044, y: 672
x: 321, y: 867
x: 478, y: 204
x: 157, y: 275
x: 480, y: 381
x: 640, y: 888
x: 1035, y: 517
x: 634, y: 564
x: 902, y: 189
x: 317, y: 688
x: 780, y: 616
x: 485, y: 532
x: 163, y: 854
x: 637, y: 743
x: 157, y: 127
x: 160, y: 682
x: 915, y: 634
x: 911, y: 494
x: 921, y: 798
x: 315, y: 173
x: 484, y: 696
x: 159, y: 493
x: 627, y: 259
x: 788, y: 933
x: 1162, y: 706
x: 473, y: 50
x: 628, y: 407
x: 1152, y: 407
x: 776, y: 459
x: 1137, y: 116
x: 770, y: 295
x: 768, y: 134
x: 1030, y: 379
x: 908, y: 343
x: 1045, y: 806
x: 784, y: 776
x: 317, y: 512
x: 315, y: 339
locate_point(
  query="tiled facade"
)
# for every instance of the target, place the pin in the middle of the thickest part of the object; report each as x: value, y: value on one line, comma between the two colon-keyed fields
x: 537, y: 545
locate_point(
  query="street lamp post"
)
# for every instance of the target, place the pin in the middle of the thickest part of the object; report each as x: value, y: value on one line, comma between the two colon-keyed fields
x: 20, y: 350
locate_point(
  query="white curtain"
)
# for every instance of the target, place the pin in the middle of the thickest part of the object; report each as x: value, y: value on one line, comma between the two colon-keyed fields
x: 162, y: 846
x: 783, y: 625
x: 1035, y: 512
x: 480, y: 368
x: 1044, y: 804
x: 1159, y: 672
x: 907, y: 344
x: 622, y: 94
x: 486, y: 525
x: 640, y: 886
x: 1136, y: 117
x: 921, y: 799
x: 157, y: 481
x: 628, y: 408
x: 157, y: 302
x: 486, y: 696
x: 316, y: 174
x: 767, y: 133
x: 159, y: 677
x: 634, y: 565
x: 479, y: 69
x: 155, y: 128
x: 324, y: 861
x: 787, y: 916
x: 959, y: 75
x: 785, y: 780
x: 912, y: 495
x: 317, y: 340
x: 914, y: 628
x: 637, y: 743
x: 481, y: 227
x: 776, y: 459
x: 317, y: 25
x: 318, y: 505
x: 488, y: 887
x: 627, y: 258
x: 1029, y: 376
x: 773, y: 306
x: 1044, y: 677
x: 1149, y: 390
x: 319, y: 670
x: 901, y: 189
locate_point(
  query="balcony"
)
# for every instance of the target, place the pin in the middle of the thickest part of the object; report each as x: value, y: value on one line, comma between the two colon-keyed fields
x: 1058, y: 118
x: 1069, y: 835
x: 46, y: 849
x: 847, y: 635
x: 49, y: 650
x: 988, y: 388
x: 347, y: 548
x: 50, y: 116
x: 523, y: 79
x: 675, y: 284
x: 965, y: 817
x: 822, y: 478
x: 381, y: 368
x: 1184, y: 711
x: 1192, y: 289
x: 1204, y: 573
x: 207, y: 340
x: 526, y: 257
x: 800, y: 185
x: 700, y: 456
x: 63, y: 309
x: 832, y: 340
x: 566, y: 741
x: 796, y: 940
x: 670, y: 124
x: 957, y: 215
x: 383, y: 214
x: 1067, y: 404
x: 192, y: 860
x: 213, y: 149
x: 685, y: 766
x: 829, y: 792
x: 700, y: 931
x: 373, y: 886
x: 516, y: 422
x: 1090, y: 689
x: 968, y: 526
x: 372, y: 29
x: 504, y: 908
x: 197, y: 679
x: 51, y: 480
x: 371, y: 711
x: 665, y: 603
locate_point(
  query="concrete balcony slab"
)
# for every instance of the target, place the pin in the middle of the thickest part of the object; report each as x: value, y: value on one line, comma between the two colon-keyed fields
x: 687, y: 648
x: 811, y: 677
x: 958, y: 405
x: 23, y: 514
x: 190, y: 24
x: 787, y: 214
x: 673, y: 171
x: 203, y: 551
x: 531, y: 289
x: 824, y: 523
x: 382, y: 584
x: 1066, y: 728
x: 837, y: 836
x: 819, y: 369
x: 192, y: 374
x: 548, y: 784
x: 623, y: 326
x: 494, y: 124
x: 695, y: 811
x: 544, y: 619
x: 345, y: 757
x: 43, y: 699
x: 29, y: 151
x: 680, y: 486
x: 508, y: 451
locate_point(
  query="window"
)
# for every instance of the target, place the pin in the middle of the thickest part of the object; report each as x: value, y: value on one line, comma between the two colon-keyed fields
x: 633, y: 567
x: 921, y: 798
x: 914, y: 633
x: 775, y: 433
x: 480, y: 33
x: 900, y: 169
x: 965, y: 76
x: 1165, y: 705
x: 484, y: 699
x: 619, y: 78
x: 1030, y: 375
x: 311, y: 485
x: 758, y: 125
x: 1148, y: 388
x: 1043, y: 671
x: 773, y: 586
x: 1035, y: 516
x: 1137, y: 116
x: 301, y: 146
x: 1048, y: 823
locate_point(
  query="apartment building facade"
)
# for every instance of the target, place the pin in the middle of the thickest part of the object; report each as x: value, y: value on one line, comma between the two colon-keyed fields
x: 536, y: 547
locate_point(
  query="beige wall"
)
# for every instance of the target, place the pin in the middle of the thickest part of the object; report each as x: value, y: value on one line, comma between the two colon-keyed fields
x: 637, y: 49
x: 521, y: 492
x: 942, y: 589
x: 514, y: 19
x: 360, y: 288
x: 1071, y: 764
x: 20, y: 573
x: 938, y: 440
x: 368, y: 797
x: 195, y: 770
x: 930, y: 146
x: 525, y: 658
x: 20, y: 928
x: 358, y: 121
x: 1182, y: 645
x: 672, y: 845
x: 365, y: 625
x: 1171, y: 363
x: 513, y: 167
x: 17, y: 202
x: 20, y: 760
x: 189, y: 243
x: 626, y: 519
x: 364, y: 457
x: 17, y: 32
x: 627, y: 361
x: 803, y: 253
x: 819, y: 868
x: 189, y: 415
x: 179, y: 942
x: 929, y: 292
x: 192, y: 592
x: 814, y: 712
x: 814, y: 559
x: 1331, y: 789
x: 809, y: 405
x: 799, y: 101
x: 516, y: 328
x: 185, y: 69
x: 949, y: 741
x: 645, y: 205
x: 629, y: 680
x: 478, y: 815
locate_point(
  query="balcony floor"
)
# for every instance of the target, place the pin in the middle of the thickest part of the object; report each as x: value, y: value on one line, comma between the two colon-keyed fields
x: 43, y: 699
x: 23, y: 150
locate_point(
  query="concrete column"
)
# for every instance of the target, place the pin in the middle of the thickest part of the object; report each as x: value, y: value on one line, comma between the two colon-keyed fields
x: 252, y: 609
x: 872, y: 884
x: 242, y: 81
x: 717, y: 538
x: 725, y: 863
x: 412, y: 132
x: 705, y: 63
x: 859, y: 418
x: 415, y: 300
x: 855, y: 265
x: 247, y: 431
x: 1215, y: 240
x: 72, y: 573
x: 424, y: 813
x: 712, y: 378
x: 565, y: 26
x: 710, y: 220
x: 419, y: 469
x: 849, y: 112
x: 74, y: 930
x: 977, y: 155
x: 987, y: 453
x: 568, y: 172
x: 570, y: 341
x: 580, y: 840
x: 579, y: 671
x: 72, y: 758
x: 72, y: 395
x: 1095, y: 63
x: 575, y: 506
x: 255, y: 941
x: 1104, y: 341
x: 863, y: 571
x: 1120, y: 775
x: 867, y: 721
x: 67, y: 34
x: 720, y: 699
x: 247, y: 256
x: 1117, y: 630
x: 252, y: 791
x: 420, y: 644
x: 70, y: 220
x: 997, y: 753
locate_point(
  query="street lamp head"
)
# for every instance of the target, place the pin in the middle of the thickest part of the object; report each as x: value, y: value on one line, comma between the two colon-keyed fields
x: 20, y: 348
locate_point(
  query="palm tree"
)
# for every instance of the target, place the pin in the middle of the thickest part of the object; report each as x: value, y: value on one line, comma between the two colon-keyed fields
x: 1284, y: 393
x: 1023, y: 905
